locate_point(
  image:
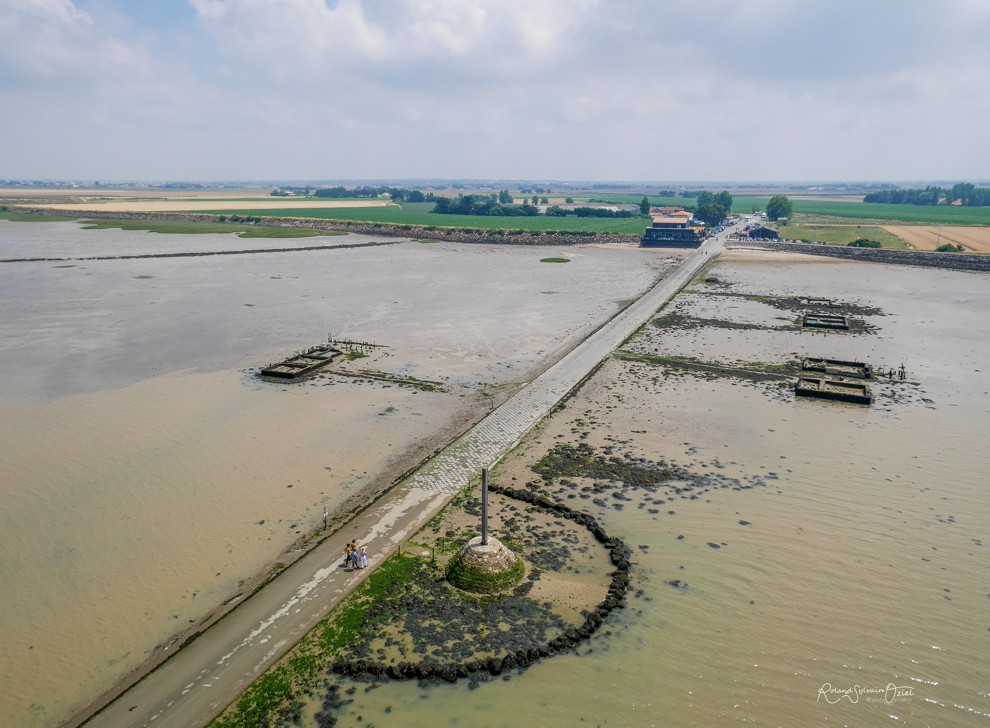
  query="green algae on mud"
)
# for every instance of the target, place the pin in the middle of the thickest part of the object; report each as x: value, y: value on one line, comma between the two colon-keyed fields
x: 581, y: 460
x: 479, y: 582
x: 276, y: 695
x: 406, y: 617
x: 749, y: 371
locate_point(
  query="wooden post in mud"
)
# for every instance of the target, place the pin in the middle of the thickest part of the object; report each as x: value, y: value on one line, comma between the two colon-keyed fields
x: 484, y: 506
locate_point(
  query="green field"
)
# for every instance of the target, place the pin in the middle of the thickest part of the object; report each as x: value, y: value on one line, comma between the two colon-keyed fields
x: 418, y: 214
x: 243, y: 230
x: 266, y: 198
x: 25, y: 217
x: 840, y: 234
x: 827, y: 208
x: 904, y: 213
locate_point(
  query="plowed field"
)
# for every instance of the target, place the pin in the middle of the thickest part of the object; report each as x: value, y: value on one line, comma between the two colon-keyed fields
x: 927, y: 237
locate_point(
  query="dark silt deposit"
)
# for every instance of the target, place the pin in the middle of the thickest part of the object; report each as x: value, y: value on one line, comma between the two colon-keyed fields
x: 796, y: 304
x: 749, y: 372
x: 676, y: 320
x: 637, y: 481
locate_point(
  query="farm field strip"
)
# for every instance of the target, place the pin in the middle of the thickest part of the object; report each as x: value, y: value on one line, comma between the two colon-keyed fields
x: 743, y: 205
x: 418, y: 214
x: 193, y: 205
x: 928, y: 237
x: 842, y: 234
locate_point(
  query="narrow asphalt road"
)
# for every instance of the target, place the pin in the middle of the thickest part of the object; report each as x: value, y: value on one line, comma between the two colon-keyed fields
x: 196, y: 683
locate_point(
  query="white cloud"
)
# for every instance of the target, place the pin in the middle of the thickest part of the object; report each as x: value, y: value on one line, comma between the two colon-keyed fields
x: 64, y: 11
x: 290, y: 37
x: 575, y: 88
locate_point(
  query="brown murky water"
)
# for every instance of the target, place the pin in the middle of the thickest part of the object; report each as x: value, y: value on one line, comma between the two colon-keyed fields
x: 851, y: 541
x: 146, y: 474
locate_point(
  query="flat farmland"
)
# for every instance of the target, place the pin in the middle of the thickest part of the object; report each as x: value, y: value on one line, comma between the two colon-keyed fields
x: 928, y: 237
x: 841, y: 234
x: 418, y: 214
x: 258, y: 206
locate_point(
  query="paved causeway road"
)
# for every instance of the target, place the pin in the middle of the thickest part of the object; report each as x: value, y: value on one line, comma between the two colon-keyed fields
x: 196, y: 683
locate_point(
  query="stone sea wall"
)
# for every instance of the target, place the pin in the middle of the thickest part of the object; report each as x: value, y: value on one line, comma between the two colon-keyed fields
x: 615, y: 599
x: 953, y: 261
x: 459, y: 235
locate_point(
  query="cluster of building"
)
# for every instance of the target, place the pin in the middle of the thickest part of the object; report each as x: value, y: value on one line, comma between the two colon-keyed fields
x: 674, y: 227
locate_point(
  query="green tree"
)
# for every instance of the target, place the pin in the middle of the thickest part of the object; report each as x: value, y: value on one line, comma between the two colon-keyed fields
x: 536, y: 199
x: 644, y: 206
x: 569, y: 200
x: 778, y: 207
x: 504, y: 197
x: 713, y: 208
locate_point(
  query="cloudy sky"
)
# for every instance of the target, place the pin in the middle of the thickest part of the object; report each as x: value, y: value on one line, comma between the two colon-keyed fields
x: 522, y: 89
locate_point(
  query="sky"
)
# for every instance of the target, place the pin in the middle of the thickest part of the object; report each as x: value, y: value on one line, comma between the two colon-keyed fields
x: 659, y: 90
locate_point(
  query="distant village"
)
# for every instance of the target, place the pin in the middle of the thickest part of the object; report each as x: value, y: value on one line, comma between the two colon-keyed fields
x: 675, y: 227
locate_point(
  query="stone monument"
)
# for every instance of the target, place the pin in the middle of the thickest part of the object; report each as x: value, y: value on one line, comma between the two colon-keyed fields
x: 484, y: 564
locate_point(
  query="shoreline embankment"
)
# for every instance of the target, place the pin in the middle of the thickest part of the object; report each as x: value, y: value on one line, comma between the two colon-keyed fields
x: 430, y: 232
x: 928, y: 259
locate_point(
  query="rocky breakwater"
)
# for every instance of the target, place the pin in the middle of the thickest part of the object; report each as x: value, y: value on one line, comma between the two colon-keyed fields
x: 519, y: 658
x: 952, y: 261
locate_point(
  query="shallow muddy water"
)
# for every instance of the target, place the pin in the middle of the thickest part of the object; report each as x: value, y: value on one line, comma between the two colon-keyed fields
x: 832, y: 546
x: 146, y: 473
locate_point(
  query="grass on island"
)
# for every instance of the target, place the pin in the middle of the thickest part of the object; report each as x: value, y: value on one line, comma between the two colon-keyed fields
x: 279, y: 688
x: 243, y: 230
x: 478, y: 582
x: 555, y: 260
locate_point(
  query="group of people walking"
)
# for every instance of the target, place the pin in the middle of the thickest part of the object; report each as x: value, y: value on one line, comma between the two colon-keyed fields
x: 357, y: 559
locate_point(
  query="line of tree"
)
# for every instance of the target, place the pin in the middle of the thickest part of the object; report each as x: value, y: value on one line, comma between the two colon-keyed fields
x: 481, y: 205
x: 712, y: 208
x: 966, y: 193
x: 779, y: 206
x: 398, y: 194
x: 603, y: 212
x: 556, y: 211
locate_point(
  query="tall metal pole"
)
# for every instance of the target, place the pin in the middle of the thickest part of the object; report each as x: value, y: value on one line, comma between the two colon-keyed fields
x: 484, y: 506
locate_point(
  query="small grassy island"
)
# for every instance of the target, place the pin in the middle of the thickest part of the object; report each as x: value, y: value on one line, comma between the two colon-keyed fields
x: 446, y: 608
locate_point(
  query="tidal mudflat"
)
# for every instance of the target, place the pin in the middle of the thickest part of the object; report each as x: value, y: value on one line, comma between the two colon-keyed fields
x: 797, y: 549
x: 148, y: 474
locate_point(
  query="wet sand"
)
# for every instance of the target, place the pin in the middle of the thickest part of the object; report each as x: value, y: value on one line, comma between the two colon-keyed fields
x: 818, y: 544
x: 148, y: 472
